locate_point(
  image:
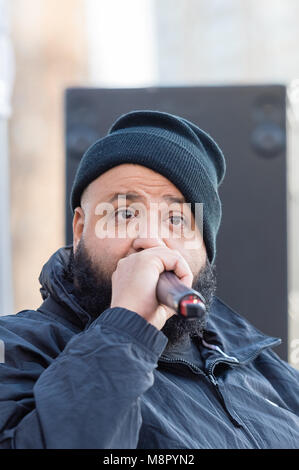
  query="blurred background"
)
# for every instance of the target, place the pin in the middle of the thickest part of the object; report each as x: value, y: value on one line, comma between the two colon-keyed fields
x: 47, y: 46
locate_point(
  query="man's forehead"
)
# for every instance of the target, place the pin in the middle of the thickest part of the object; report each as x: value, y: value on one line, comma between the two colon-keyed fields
x: 135, y: 196
x: 133, y: 182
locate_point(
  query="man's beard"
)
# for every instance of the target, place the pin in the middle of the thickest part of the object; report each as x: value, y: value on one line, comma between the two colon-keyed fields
x: 93, y: 290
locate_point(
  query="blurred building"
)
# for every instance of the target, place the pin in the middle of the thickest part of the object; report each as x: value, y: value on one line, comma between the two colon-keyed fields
x: 6, y: 84
x: 50, y: 54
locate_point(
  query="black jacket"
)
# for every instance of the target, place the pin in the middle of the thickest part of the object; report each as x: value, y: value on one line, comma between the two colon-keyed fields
x: 70, y: 382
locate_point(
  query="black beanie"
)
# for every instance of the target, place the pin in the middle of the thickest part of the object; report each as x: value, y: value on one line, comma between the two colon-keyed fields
x: 170, y: 145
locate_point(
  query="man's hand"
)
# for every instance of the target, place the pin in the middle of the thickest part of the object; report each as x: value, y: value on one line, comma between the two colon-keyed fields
x: 135, y: 280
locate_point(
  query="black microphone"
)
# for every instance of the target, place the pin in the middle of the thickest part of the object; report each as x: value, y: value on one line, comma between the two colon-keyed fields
x: 187, y: 302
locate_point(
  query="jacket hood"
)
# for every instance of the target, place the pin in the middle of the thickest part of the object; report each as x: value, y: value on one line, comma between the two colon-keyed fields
x: 225, y: 327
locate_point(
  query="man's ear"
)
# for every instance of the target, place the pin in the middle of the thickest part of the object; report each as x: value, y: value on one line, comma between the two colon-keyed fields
x: 78, y: 226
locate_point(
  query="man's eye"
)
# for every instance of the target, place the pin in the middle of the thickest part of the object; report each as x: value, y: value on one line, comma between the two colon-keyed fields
x: 121, y: 214
x: 177, y: 219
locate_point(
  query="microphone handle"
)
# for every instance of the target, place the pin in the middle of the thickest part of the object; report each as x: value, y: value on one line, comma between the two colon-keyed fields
x: 187, y: 302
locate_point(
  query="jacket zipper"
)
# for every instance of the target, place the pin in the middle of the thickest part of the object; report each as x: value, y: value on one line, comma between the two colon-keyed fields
x: 210, y: 374
x: 216, y: 385
x: 193, y: 367
x: 214, y: 381
x: 211, y: 378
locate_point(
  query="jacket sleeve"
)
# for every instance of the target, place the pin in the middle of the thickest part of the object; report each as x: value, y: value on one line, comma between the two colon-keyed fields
x: 89, y: 396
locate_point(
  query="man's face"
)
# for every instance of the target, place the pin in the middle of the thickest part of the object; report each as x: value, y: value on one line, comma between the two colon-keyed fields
x: 140, y: 221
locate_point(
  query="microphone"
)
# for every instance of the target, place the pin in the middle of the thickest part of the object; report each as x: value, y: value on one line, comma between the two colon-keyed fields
x: 187, y: 302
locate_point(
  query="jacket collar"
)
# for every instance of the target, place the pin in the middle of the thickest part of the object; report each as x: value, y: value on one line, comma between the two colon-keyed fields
x: 232, y: 333
x: 59, y: 292
x: 236, y: 336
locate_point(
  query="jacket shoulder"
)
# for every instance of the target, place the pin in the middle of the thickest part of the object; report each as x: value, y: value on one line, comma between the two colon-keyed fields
x: 31, y: 335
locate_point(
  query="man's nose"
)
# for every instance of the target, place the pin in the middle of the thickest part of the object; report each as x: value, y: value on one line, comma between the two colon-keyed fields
x: 147, y: 233
x: 143, y: 243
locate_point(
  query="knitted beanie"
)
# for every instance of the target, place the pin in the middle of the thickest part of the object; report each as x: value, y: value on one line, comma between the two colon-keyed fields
x: 170, y: 145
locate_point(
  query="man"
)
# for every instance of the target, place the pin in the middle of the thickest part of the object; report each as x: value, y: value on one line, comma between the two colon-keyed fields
x: 103, y: 364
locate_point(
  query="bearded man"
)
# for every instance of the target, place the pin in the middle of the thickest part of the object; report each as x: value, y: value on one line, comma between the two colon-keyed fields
x: 102, y: 363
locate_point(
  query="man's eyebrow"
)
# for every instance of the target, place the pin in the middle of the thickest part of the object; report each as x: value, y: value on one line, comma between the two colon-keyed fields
x: 136, y: 197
